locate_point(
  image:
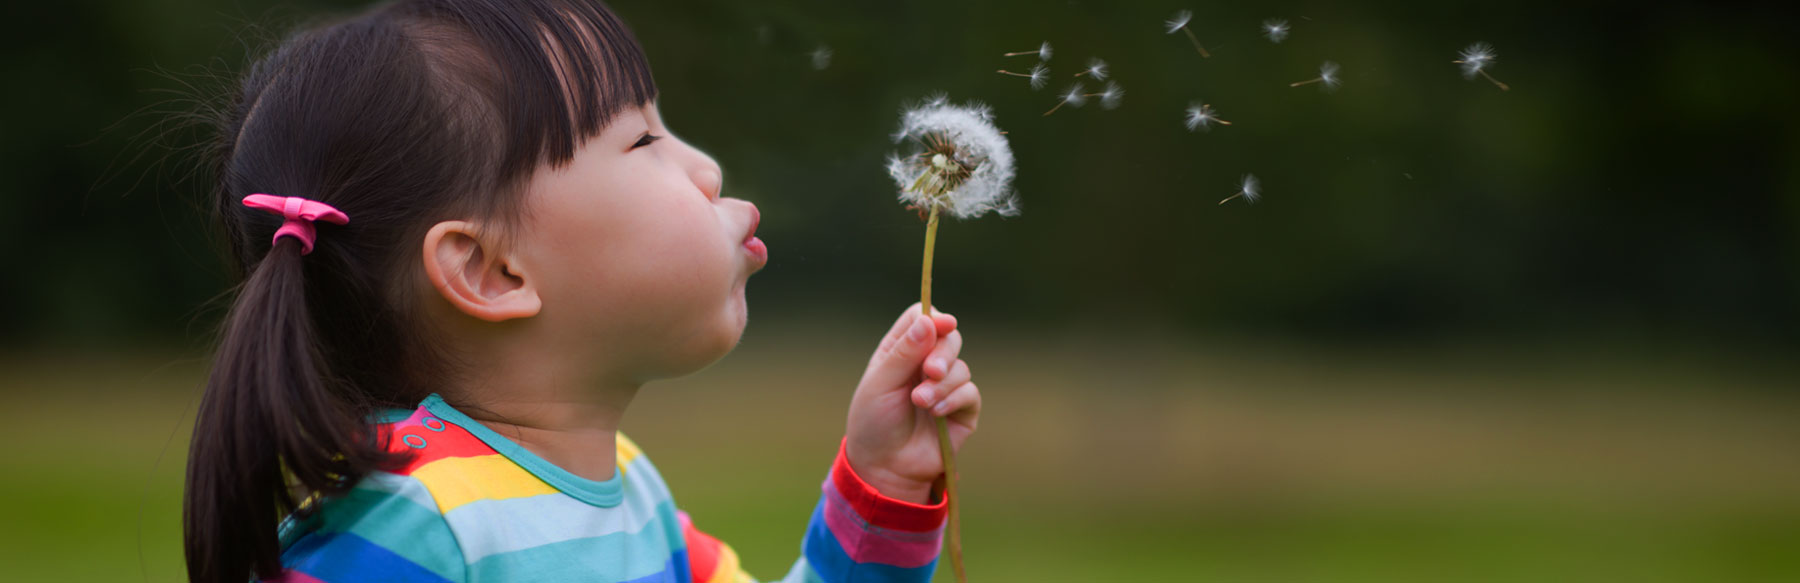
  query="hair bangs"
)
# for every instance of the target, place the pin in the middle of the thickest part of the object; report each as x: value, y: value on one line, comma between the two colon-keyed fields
x: 564, y: 68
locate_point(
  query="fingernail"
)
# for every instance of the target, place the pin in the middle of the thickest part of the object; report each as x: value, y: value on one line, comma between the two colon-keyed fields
x: 926, y: 395
x: 941, y: 408
x: 920, y: 330
x: 938, y: 363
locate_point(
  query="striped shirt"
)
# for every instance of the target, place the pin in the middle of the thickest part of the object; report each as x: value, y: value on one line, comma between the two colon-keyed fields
x: 475, y: 506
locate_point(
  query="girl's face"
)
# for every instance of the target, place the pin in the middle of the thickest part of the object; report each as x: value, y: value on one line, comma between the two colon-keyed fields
x: 638, y: 259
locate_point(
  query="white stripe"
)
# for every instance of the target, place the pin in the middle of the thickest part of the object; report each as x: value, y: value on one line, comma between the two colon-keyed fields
x: 490, y: 527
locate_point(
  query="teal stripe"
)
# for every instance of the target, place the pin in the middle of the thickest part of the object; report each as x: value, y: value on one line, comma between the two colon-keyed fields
x: 615, y: 557
x: 802, y: 573
x: 398, y: 524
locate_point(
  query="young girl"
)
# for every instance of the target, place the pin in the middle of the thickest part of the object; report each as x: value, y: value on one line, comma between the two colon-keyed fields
x: 468, y: 240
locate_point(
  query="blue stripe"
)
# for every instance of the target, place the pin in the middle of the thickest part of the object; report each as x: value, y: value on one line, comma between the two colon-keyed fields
x: 347, y: 558
x: 833, y: 564
x: 674, y: 571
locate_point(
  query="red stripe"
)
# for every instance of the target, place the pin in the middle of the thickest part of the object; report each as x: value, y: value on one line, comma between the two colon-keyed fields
x: 702, y: 548
x: 421, y: 429
x: 879, y: 510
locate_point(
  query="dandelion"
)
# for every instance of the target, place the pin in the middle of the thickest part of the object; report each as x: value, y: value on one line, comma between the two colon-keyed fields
x: 963, y: 165
x: 1039, y: 75
x: 1250, y: 189
x: 821, y: 58
x: 1276, y: 29
x: 1072, y: 98
x: 1180, y: 22
x: 1200, y: 116
x: 1475, y: 60
x: 1109, y: 97
x: 1328, y: 74
x: 1043, y: 52
x: 1096, y: 68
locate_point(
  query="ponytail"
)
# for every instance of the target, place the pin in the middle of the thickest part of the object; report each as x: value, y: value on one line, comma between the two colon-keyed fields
x: 271, y: 413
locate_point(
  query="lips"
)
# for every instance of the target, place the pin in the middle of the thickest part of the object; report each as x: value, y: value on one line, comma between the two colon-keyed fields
x: 754, y: 246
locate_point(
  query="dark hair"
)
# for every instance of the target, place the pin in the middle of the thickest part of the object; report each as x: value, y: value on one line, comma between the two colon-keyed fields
x: 413, y: 112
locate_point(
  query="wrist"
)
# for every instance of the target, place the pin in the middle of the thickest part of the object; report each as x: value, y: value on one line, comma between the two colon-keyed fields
x: 885, y: 482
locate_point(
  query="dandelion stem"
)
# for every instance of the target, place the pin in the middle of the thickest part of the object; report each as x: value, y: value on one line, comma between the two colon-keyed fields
x: 925, y: 276
x: 1497, y: 82
x: 1307, y: 82
x: 1228, y: 198
x: 1196, y: 40
x: 1058, y: 106
x: 1006, y: 72
x: 1021, y: 53
x: 943, y: 427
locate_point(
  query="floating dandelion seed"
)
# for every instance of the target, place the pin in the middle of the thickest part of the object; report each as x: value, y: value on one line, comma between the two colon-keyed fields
x: 821, y: 58
x: 1109, y: 97
x: 1043, y: 52
x: 1250, y: 189
x: 1039, y: 75
x: 1180, y: 22
x: 1276, y: 29
x: 1200, y: 116
x: 1328, y: 75
x: 1474, y: 61
x: 1096, y: 68
x: 963, y: 165
x: 1074, y: 97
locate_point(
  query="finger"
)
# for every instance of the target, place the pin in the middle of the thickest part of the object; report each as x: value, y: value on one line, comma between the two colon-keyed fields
x: 929, y: 393
x: 895, y: 363
x: 939, y: 362
x: 962, y: 405
x: 946, y: 323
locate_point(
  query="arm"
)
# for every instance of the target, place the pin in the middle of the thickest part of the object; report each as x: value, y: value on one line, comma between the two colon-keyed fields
x: 856, y: 534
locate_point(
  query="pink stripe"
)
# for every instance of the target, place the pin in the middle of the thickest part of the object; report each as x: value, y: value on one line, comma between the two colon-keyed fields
x: 292, y: 576
x: 872, y: 544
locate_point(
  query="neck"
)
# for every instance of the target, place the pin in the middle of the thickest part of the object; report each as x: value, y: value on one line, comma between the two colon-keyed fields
x: 568, y: 417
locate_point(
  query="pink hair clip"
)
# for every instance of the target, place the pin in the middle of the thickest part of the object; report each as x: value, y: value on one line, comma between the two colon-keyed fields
x: 300, y: 214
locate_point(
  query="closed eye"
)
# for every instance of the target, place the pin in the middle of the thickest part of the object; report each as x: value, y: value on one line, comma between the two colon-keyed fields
x: 645, y: 141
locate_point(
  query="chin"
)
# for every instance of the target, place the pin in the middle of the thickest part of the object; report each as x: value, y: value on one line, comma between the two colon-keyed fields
x: 703, y: 349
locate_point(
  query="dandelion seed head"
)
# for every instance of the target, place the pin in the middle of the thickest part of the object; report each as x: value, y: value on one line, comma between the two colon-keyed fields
x: 1040, y: 76
x: 1097, y: 69
x: 1111, y: 96
x: 1475, y: 58
x: 1251, y: 188
x: 1180, y: 20
x: 1044, y: 51
x: 1076, y: 96
x: 959, y: 161
x: 1199, y: 117
x: 1328, y: 73
x: 821, y: 58
x: 1276, y: 29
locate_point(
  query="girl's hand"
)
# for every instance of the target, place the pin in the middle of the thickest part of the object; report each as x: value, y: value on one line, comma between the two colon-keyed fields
x: 891, y: 439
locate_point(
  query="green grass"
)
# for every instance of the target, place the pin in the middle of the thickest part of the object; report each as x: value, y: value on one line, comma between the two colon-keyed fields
x: 1109, y: 460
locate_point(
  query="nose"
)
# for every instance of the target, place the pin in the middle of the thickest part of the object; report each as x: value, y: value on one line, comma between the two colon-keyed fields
x: 710, y: 181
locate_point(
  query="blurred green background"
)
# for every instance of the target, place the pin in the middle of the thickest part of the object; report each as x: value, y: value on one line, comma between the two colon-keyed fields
x: 1470, y: 335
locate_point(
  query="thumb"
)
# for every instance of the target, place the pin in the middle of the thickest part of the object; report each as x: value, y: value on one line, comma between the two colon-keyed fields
x: 902, y: 352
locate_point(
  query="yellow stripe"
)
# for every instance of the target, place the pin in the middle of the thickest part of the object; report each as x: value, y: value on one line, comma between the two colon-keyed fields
x: 455, y: 481
x: 727, y: 570
x: 627, y: 451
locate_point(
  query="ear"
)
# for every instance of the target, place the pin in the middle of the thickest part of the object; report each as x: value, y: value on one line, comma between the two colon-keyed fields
x: 474, y: 278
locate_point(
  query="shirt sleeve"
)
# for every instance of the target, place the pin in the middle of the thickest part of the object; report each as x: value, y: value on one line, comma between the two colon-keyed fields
x: 386, y: 529
x: 856, y: 535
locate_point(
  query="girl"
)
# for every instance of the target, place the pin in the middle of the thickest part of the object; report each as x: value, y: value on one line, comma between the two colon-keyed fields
x: 468, y: 240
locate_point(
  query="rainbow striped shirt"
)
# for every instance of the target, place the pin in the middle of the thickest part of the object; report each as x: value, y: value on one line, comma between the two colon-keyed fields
x: 474, y: 506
